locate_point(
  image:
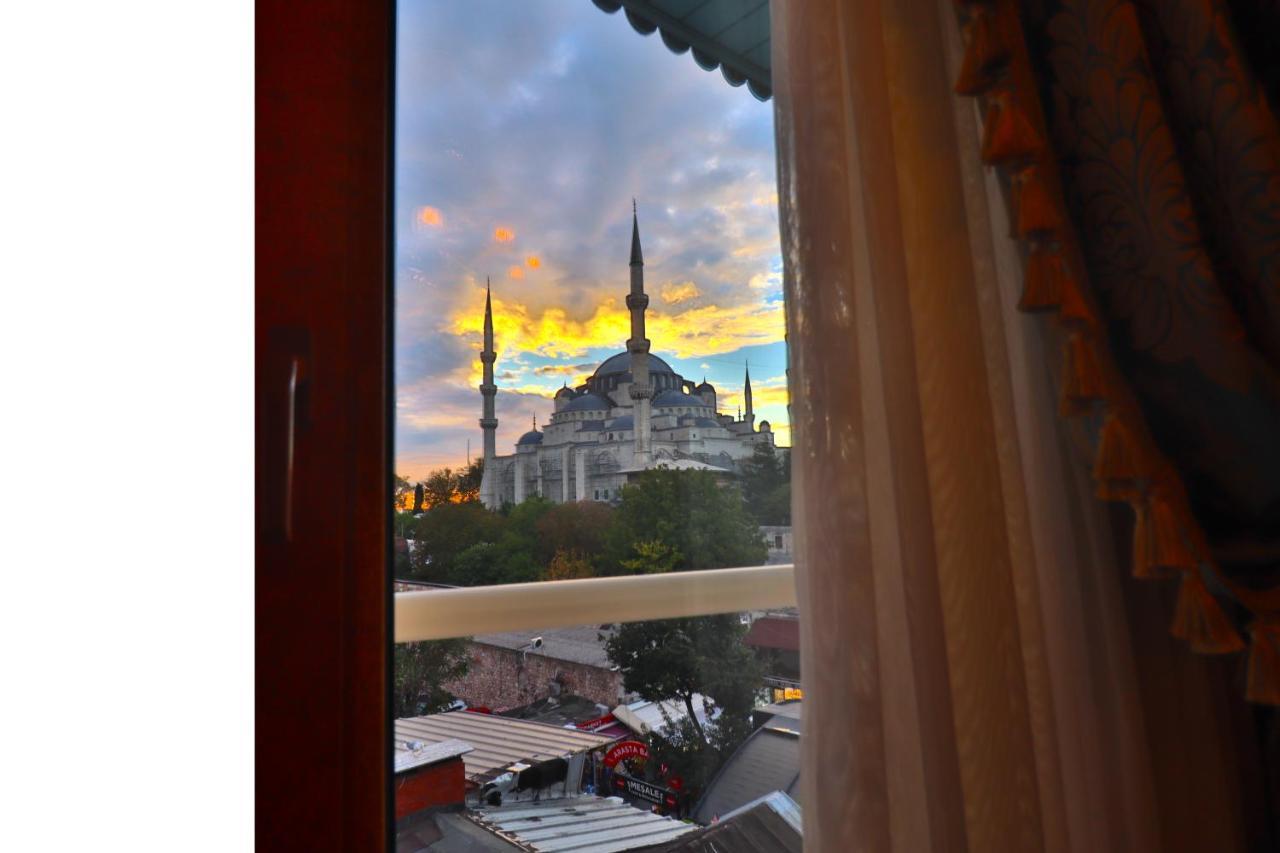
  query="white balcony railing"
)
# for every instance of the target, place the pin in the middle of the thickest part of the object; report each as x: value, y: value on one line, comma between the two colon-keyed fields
x: 440, y: 613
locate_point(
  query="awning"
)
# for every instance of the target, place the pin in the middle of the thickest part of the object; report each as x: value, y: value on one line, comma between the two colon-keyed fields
x: 732, y: 35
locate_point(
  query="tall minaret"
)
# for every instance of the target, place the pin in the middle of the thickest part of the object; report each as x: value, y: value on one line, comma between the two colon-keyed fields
x: 489, y: 421
x: 746, y: 393
x: 638, y: 346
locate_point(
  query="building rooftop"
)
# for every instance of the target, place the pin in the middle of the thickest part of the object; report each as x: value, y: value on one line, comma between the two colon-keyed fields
x: 774, y: 632
x: 586, y: 823
x: 420, y: 753
x: 497, y: 742
x: 768, y: 824
x: 578, y: 644
x: 767, y: 761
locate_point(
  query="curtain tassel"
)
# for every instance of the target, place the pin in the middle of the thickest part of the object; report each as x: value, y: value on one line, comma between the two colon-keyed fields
x: 1263, y: 684
x: 1159, y: 547
x: 1082, y: 377
x: 984, y: 53
x: 1037, y: 212
x: 1007, y: 133
x: 1116, y: 467
x: 1199, y: 620
x: 1071, y: 306
x: 1042, y: 290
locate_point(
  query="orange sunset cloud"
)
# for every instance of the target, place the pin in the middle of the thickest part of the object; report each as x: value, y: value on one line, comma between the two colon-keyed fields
x: 428, y: 215
x: 503, y: 235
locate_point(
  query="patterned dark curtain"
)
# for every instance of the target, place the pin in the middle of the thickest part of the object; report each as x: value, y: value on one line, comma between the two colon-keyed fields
x: 1169, y: 152
x: 1140, y: 143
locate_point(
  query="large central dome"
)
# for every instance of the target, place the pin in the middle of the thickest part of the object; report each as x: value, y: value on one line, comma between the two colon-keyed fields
x: 621, y: 363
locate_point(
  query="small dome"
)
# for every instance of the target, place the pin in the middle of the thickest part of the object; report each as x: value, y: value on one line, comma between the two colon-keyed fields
x: 566, y: 391
x: 587, y: 403
x: 530, y: 437
x: 706, y: 386
x: 676, y: 398
x: 764, y: 426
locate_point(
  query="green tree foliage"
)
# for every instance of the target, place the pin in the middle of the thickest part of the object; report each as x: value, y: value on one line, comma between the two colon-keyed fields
x: 493, y: 563
x: 703, y: 522
x: 417, y: 498
x: 421, y: 670
x: 468, y: 485
x: 444, y: 532
x: 766, y: 485
x: 578, y: 526
x: 566, y: 565
x: 672, y: 660
x: 652, y: 557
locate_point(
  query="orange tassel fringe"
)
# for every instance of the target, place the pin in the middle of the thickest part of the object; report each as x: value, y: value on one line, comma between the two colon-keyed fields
x: 1264, y: 663
x: 1045, y: 272
x: 1082, y: 378
x: 1072, y: 306
x: 1159, y: 547
x: 985, y: 51
x: 1037, y: 212
x: 1007, y: 133
x: 1117, y: 465
x: 1200, y: 621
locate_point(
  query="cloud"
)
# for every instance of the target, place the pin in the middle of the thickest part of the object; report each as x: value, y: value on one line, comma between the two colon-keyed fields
x: 542, y: 121
x: 673, y: 293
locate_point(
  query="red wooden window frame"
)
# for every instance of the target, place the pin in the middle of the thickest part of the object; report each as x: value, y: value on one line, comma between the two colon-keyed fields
x: 322, y: 342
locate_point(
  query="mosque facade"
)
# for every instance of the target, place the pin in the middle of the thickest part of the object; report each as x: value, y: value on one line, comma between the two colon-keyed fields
x: 635, y: 413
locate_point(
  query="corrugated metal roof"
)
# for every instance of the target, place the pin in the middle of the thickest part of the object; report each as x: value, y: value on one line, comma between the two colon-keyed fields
x: 419, y: 753
x: 770, y: 824
x: 586, y: 823
x: 769, y: 760
x: 497, y: 742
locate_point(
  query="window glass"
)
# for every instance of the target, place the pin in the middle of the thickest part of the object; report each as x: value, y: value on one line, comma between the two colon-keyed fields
x: 590, y: 382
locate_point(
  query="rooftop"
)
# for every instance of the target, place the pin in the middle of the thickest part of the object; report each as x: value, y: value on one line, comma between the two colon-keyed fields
x: 767, y: 761
x: 587, y: 823
x: 774, y: 632
x: 578, y: 644
x: 768, y: 824
x: 497, y: 742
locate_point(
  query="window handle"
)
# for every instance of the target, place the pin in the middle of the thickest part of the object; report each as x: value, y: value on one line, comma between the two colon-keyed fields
x: 283, y: 410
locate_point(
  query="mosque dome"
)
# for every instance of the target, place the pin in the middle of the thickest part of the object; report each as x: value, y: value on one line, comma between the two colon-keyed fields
x: 764, y: 426
x: 621, y: 363
x: 676, y: 398
x: 530, y: 437
x: 705, y: 386
x: 587, y: 403
x: 564, y: 392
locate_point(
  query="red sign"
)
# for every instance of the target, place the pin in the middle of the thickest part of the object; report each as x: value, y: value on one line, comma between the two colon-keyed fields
x: 597, y: 723
x: 626, y: 750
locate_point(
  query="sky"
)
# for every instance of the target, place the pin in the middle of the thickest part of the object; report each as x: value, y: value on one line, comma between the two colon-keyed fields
x: 524, y: 130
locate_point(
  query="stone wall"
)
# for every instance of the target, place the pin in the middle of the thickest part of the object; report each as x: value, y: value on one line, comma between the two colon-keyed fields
x: 502, y: 679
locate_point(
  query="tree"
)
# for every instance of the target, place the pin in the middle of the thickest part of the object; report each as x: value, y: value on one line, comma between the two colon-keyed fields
x: 703, y: 522
x: 468, y: 486
x: 766, y: 485
x: 652, y: 557
x: 672, y: 660
x: 417, y: 498
x: 444, y: 532
x: 400, y: 492
x: 422, y: 670
x: 580, y: 526
x: 440, y: 487
x: 568, y: 565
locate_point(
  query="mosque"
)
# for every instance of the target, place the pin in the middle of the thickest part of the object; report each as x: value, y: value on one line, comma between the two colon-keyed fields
x: 633, y: 414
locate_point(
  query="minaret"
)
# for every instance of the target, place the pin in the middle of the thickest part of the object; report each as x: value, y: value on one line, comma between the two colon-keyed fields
x: 489, y: 421
x: 746, y: 393
x: 638, y: 346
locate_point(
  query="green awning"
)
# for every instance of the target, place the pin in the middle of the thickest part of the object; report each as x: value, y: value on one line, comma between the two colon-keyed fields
x: 732, y: 35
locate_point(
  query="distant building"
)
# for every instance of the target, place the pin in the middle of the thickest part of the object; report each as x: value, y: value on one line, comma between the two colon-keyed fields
x: 633, y: 414
x: 777, y: 539
x: 508, y: 672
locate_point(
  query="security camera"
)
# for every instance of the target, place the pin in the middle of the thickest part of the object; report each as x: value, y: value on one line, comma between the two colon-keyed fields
x: 536, y: 642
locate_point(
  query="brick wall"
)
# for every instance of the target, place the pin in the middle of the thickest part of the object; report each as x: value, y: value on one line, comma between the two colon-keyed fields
x: 500, y: 679
x: 441, y: 784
